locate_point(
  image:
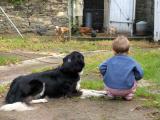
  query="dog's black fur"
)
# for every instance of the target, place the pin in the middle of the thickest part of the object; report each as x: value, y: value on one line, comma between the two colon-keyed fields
x: 61, y: 81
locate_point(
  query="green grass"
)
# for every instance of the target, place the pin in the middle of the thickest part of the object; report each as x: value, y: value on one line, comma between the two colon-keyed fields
x: 92, y: 63
x: 152, y: 99
x: 5, y: 60
x: 41, y: 69
x: 92, y: 84
x: 35, y: 43
x: 143, y: 92
x: 155, y: 99
x: 91, y: 78
x: 150, y: 61
x: 3, y: 89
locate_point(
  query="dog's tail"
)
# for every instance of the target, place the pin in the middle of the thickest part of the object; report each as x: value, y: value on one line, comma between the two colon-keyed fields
x: 21, y: 106
x: 18, y: 106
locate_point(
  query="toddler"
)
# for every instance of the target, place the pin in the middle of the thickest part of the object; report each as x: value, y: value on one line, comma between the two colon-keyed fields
x: 121, y: 72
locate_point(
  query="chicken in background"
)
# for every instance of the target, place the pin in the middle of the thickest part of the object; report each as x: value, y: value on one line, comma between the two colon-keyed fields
x: 88, y: 31
x: 85, y: 30
x: 110, y: 31
x: 60, y: 32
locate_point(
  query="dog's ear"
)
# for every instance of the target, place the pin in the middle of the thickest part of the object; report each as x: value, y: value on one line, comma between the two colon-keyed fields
x: 67, y: 59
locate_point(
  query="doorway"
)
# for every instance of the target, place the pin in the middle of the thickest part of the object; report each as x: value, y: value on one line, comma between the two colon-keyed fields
x: 93, y: 14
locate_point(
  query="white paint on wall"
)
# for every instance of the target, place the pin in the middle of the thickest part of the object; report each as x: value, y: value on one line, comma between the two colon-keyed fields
x: 79, y: 8
x: 157, y: 20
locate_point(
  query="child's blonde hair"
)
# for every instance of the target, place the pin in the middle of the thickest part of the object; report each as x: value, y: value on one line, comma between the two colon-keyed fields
x: 121, y: 45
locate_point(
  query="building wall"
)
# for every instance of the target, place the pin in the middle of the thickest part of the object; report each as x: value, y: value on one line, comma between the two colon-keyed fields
x: 35, y: 15
x: 48, y: 13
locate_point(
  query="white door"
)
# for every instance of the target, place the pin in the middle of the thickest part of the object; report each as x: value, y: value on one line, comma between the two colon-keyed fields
x: 157, y: 20
x: 122, y: 15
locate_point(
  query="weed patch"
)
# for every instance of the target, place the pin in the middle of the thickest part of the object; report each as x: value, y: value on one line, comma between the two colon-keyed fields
x: 5, y: 60
x: 3, y: 89
x: 41, y: 69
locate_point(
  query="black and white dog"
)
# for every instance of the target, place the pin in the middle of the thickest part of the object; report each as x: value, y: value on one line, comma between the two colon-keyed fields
x: 58, y: 82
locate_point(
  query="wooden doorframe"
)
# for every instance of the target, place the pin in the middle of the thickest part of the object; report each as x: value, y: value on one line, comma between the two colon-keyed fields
x: 106, y: 13
x: 156, y: 20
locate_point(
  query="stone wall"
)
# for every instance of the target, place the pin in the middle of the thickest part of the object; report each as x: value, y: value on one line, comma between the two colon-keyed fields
x: 145, y: 12
x: 44, y: 15
x: 36, y: 16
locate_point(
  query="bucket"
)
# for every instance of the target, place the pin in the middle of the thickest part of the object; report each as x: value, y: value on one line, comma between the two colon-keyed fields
x: 141, y: 28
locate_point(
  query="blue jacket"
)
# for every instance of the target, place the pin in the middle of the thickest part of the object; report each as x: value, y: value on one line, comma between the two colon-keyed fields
x: 120, y: 72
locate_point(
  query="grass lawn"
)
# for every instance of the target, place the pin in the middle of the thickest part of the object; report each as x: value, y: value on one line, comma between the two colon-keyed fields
x: 36, y: 43
x: 3, y: 89
x: 5, y: 60
x: 147, y: 54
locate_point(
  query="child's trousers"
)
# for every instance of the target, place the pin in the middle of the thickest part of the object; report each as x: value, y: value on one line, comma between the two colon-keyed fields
x: 126, y: 94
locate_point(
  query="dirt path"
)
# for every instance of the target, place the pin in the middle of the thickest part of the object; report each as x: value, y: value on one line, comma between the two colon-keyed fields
x: 86, y: 109
x: 9, y: 72
x: 23, y: 55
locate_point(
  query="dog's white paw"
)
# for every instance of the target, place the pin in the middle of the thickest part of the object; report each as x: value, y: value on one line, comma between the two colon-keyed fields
x: 18, y: 106
x: 39, y: 101
x: 92, y: 93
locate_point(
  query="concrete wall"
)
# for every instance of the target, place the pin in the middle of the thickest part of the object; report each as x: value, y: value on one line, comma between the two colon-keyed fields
x: 34, y: 16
